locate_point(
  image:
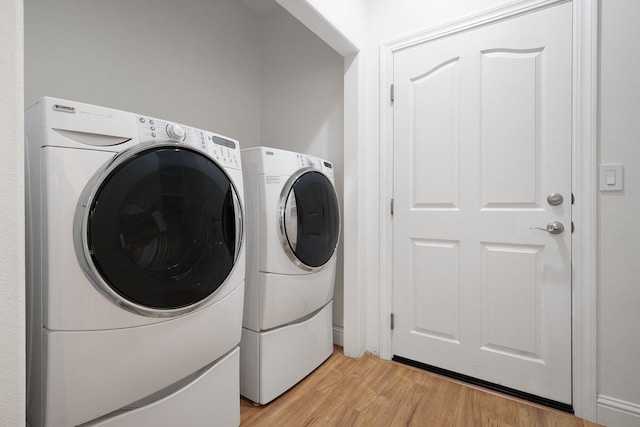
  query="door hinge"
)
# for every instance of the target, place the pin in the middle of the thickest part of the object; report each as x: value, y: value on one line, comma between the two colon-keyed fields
x: 392, y: 94
x: 392, y: 322
x: 573, y: 228
x: 573, y: 199
x: 391, y: 207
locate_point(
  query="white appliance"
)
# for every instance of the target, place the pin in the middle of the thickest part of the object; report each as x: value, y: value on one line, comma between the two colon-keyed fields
x: 135, y: 270
x: 293, y: 226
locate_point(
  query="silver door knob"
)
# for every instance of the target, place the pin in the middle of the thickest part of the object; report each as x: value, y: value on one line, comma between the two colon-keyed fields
x: 555, y: 199
x: 554, y: 227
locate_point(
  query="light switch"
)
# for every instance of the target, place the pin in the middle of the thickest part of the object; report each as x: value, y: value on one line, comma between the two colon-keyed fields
x: 611, y: 177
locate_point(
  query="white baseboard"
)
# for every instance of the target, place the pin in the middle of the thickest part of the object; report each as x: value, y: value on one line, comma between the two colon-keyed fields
x: 618, y: 413
x: 338, y: 335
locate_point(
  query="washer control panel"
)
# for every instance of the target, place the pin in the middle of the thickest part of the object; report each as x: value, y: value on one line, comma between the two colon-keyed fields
x: 306, y: 161
x: 224, y: 150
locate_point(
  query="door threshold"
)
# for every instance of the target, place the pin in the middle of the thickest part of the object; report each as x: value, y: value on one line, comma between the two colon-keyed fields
x: 486, y: 384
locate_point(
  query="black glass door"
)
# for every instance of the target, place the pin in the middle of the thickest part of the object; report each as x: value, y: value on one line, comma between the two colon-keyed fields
x: 312, y: 219
x: 162, y: 230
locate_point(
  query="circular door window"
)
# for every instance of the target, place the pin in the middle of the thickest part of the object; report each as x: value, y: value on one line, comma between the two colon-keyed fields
x: 309, y: 219
x: 163, y: 230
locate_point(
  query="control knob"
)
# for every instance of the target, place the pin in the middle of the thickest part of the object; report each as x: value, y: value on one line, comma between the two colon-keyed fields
x: 175, y: 131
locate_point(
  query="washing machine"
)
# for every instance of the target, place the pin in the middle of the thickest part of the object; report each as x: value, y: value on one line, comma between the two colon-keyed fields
x: 293, y: 227
x: 135, y: 270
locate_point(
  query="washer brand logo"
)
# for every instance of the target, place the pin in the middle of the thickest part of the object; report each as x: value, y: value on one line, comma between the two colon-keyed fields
x: 64, y: 109
x: 273, y: 179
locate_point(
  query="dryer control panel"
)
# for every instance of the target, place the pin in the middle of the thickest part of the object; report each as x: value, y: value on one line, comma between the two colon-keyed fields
x: 224, y: 150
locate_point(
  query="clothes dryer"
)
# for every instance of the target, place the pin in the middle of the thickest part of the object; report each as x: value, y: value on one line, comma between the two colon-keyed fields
x: 293, y: 228
x: 135, y: 269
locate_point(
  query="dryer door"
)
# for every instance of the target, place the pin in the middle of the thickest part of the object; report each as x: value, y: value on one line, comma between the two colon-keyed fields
x: 309, y: 219
x: 162, y: 230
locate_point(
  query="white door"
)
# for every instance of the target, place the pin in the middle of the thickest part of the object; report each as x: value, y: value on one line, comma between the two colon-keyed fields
x: 482, y: 137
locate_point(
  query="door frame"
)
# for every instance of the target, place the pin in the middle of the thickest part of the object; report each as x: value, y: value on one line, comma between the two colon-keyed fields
x: 584, y: 182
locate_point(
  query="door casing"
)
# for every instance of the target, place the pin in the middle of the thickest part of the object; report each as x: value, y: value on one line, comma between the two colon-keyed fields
x: 584, y: 183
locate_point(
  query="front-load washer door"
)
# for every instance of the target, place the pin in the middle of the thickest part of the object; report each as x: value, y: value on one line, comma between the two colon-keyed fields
x: 162, y: 230
x: 309, y: 219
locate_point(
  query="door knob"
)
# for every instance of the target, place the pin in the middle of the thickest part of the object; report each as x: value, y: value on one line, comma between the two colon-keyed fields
x: 554, y: 227
x: 555, y: 199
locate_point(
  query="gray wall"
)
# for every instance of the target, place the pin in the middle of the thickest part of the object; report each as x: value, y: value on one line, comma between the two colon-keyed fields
x: 619, y: 222
x: 12, y: 308
x: 196, y: 62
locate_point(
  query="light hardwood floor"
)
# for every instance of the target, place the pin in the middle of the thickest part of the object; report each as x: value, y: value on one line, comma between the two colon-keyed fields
x: 373, y: 392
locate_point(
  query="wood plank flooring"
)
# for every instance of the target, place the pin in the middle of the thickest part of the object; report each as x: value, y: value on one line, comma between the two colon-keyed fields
x: 374, y: 392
